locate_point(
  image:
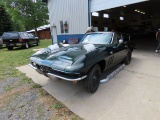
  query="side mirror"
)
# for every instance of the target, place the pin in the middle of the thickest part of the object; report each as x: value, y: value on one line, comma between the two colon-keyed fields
x: 120, y: 41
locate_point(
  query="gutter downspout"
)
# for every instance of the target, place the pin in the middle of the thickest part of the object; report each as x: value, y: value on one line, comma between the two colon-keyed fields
x: 89, y: 13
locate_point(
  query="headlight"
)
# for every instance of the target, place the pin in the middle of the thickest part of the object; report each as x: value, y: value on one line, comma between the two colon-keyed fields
x: 34, y: 63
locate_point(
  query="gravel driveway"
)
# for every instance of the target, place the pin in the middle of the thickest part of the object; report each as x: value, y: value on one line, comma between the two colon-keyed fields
x: 21, y: 102
x: 28, y: 101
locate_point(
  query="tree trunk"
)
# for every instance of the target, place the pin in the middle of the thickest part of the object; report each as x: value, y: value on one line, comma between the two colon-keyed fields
x: 36, y: 33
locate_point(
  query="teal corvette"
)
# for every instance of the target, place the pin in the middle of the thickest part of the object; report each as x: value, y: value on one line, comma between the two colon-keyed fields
x: 85, y: 61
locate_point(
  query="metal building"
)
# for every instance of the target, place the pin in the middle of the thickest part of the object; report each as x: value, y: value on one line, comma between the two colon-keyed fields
x: 70, y: 18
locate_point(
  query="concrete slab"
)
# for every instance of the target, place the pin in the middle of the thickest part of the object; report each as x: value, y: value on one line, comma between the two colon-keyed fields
x: 133, y: 94
x: 36, y: 77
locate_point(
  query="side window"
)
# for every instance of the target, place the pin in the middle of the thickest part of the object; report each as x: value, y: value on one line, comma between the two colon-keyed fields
x: 22, y: 35
x: 115, y: 40
x: 30, y: 35
x: 118, y: 37
x: 26, y: 35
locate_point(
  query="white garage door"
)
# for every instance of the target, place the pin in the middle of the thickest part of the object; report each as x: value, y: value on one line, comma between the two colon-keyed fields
x: 97, y: 5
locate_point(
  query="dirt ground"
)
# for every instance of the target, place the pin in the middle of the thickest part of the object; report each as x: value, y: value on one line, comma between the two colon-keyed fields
x: 28, y: 101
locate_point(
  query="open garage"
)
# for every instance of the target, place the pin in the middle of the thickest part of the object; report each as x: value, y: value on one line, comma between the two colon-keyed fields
x: 140, y: 20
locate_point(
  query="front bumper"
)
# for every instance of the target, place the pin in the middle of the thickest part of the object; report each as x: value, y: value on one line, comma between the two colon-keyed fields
x: 57, y: 74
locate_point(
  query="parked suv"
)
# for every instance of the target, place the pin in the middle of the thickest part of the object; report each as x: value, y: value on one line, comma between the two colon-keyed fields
x: 15, y: 39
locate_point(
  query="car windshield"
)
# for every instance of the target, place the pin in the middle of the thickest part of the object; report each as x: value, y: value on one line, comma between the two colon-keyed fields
x: 98, y: 38
x: 10, y: 34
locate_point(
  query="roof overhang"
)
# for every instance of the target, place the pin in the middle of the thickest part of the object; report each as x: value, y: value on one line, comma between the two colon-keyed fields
x: 98, y: 5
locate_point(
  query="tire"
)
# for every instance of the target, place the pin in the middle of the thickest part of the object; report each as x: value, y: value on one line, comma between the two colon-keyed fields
x: 127, y: 59
x: 9, y: 47
x: 37, y: 43
x: 91, y: 83
x: 26, y: 45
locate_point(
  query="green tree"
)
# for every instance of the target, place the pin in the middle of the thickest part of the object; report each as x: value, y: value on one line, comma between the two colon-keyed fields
x: 6, y: 23
x: 27, y: 13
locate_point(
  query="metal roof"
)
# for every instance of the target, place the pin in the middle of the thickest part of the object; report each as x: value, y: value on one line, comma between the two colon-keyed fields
x: 40, y: 28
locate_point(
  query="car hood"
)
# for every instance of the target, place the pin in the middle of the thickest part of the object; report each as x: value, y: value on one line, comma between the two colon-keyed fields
x: 60, y: 58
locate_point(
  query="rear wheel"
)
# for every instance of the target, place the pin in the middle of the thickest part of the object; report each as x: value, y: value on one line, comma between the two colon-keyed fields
x: 37, y: 43
x: 9, y: 47
x: 91, y: 83
x: 26, y: 45
x: 127, y: 59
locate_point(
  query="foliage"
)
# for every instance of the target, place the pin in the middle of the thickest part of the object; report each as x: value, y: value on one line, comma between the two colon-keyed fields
x: 5, y: 21
x: 57, y: 105
x: 36, y: 85
x: 27, y: 14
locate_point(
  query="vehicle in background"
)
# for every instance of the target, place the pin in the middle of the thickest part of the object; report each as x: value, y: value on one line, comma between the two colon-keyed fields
x: 97, y: 52
x: 19, y: 39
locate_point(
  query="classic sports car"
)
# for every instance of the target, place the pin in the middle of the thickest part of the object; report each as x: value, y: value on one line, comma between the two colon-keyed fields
x: 85, y: 61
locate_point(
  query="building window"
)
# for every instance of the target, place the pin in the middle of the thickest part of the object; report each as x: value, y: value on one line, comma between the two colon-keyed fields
x: 64, y: 26
x: 106, y: 15
x: 95, y: 14
x: 61, y: 26
x: 121, y: 18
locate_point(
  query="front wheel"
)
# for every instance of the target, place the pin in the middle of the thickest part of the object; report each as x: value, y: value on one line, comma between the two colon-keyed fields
x: 91, y: 83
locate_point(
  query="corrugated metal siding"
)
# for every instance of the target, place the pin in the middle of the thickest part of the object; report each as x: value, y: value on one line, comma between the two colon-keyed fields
x: 98, y: 5
x: 74, y: 11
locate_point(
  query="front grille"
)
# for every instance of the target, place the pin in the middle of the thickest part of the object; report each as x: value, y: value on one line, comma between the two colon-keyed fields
x: 45, y: 69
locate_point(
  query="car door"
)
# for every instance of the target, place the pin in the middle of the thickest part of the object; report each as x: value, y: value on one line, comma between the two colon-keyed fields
x: 109, y: 56
x: 108, y: 53
x: 33, y: 38
x: 26, y: 38
x: 123, y: 48
x: 30, y: 38
x: 118, y: 48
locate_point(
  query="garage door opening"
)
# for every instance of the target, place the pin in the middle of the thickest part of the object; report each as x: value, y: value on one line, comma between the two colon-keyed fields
x: 140, y: 20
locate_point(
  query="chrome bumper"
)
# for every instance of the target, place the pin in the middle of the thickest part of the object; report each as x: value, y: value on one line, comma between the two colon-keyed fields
x: 40, y: 72
x: 52, y: 75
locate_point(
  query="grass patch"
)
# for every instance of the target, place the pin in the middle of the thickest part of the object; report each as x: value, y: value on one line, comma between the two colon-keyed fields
x: 8, y: 88
x: 57, y: 105
x: 10, y: 59
x: 37, y: 85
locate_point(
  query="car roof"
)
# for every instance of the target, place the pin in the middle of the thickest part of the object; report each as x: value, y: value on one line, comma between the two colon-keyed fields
x: 14, y: 32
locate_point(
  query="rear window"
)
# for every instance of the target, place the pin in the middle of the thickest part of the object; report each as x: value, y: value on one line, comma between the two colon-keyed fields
x: 9, y: 34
